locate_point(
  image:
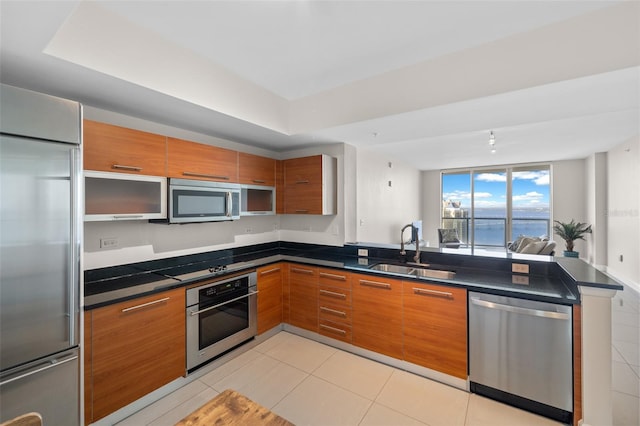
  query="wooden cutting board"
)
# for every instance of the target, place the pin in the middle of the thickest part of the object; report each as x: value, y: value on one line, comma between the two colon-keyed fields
x: 232, y: 408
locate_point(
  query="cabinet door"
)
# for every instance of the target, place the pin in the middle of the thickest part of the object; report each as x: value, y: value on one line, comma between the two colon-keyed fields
x: 256, y: 170
x: 137, y: 347
x: 118, y: 149
x: 377, y: 314
x: 192, y: 160
x: 269, y: 297
x: 279, y: 187
x: 303, y: 297
x: 435, y: 327
x: 334, y: 304
x: 303, y: 185
x: 88, y: 357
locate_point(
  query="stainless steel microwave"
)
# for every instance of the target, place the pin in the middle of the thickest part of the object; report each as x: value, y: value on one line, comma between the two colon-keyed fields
x: 202, y: 201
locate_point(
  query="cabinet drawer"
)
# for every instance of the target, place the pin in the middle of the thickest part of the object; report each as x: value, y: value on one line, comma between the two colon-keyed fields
x: 334, y: 278
x: 335, y: 330
x: 335, y: 295
x: 335, y: 313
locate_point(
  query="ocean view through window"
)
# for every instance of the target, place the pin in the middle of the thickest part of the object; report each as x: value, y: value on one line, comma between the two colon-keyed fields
x: 490, y: 207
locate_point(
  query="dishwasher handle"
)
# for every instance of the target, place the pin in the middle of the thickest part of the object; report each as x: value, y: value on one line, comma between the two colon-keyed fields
x: 518, y: 310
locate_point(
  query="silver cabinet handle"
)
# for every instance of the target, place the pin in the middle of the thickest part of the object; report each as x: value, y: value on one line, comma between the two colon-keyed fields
x: 223, y: 303
x: 269, y: 271
x: 333, y: 294
x: 427, y: 292
x: 375, y: 284
x: 259, y: 181
x: 124, y: 167
x: 333, y: 276
x: 333, y: 329
x: 333, y: 311
x: 204, y: 175
x: 45, y: 366
x: 144, y: 305
x: 301, y: 182
x: 128, y: 216
x: 519, y: 310
x: 302, y: 211
x: 302, y: 271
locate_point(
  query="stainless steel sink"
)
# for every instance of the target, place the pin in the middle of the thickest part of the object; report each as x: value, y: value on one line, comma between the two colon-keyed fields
x: 416, y: 271
x: 396, y: 269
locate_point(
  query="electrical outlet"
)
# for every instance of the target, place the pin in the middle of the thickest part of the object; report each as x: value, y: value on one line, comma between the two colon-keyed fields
x: 520, y: 279
x: 106, y: 243
x: 363, y: 252
x: 248, y: 230
x: 520, y: 268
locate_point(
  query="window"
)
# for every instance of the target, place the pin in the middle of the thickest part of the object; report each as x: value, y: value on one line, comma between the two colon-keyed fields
x: 490, y: 207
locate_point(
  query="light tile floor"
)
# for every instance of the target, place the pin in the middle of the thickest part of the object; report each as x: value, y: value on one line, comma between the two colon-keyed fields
x: 309, y: 383
x: 625, y: 357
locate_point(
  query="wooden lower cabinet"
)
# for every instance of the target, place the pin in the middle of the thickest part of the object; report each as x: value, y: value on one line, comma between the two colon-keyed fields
x: 435, y: 327
x: 135, y: 347
x: 377, y: 314
x: 269, y: 297
x: 334, y: 304
x: 303, y: 297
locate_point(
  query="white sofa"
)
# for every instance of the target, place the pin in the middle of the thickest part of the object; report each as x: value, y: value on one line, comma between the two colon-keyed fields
x: 532, y: 245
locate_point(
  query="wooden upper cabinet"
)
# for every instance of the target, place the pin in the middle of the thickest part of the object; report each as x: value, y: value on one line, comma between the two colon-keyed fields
x: 118, y: 149
x: 256, y: 170
x: 310, y: 185
x: 192, y: 160
x: 279, y: 187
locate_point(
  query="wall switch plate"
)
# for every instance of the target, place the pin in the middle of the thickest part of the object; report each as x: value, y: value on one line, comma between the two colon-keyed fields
x: 363, y: 252
x: 520, y: 268
x: 111, y: 242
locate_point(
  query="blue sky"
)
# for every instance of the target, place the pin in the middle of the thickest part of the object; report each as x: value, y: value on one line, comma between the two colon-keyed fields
x: 530, y: 189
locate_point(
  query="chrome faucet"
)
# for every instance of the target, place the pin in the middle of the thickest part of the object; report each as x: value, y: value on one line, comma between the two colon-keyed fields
x: 416, y: 258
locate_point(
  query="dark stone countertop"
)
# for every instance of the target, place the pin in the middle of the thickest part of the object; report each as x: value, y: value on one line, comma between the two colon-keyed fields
x: 548, y: 281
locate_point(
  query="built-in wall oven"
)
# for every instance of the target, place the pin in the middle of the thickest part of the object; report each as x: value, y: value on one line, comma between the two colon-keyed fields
x: 221, y: 315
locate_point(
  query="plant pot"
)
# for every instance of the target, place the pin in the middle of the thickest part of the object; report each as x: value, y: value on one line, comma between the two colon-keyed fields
x: 571, y: 254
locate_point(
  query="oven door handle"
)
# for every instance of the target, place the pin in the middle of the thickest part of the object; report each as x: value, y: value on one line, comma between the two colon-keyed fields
x: 222, y: 304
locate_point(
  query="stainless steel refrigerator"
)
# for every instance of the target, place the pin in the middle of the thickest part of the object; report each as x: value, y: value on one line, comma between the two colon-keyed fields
x: 40, y: 243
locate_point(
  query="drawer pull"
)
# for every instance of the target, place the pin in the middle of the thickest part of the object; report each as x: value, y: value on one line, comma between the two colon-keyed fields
x: 333, y: 294
x: 144, y: 305
x: 302, y: 211
x: 301, y: 182
x: 124, y: 167
x: 193, y: 174
x: 333, y: 276
x: 333, y: 329
x: 333, y: 311
x: 427, y: 292
x: 269, y: 271
x: 375, y: 284
x: 302, y: 271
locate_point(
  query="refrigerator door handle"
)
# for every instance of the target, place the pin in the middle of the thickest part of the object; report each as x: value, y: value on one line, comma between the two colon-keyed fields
x: 42, y: 367
x: 74, y: 244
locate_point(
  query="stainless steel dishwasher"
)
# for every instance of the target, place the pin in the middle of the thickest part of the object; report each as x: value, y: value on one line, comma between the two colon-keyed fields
x: 520, y: 352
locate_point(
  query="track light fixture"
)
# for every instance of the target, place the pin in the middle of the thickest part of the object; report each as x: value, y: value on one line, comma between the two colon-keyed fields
x: 492, y: 142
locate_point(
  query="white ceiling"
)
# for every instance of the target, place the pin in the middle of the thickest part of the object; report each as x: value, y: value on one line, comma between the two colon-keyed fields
x: 422, y: 82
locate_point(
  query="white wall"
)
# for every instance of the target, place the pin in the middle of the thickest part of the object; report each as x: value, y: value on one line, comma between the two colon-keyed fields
x: 596, y: 200
x: 569, y: 200
x: 623, y: 212
x: 431, y: 206
x: 383, y: 209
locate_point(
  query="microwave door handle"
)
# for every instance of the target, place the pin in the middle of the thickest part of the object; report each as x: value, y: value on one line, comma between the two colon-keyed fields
x: 229, y: 200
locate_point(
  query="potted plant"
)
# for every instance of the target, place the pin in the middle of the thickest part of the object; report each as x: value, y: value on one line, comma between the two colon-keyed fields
x: 570, y: 232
